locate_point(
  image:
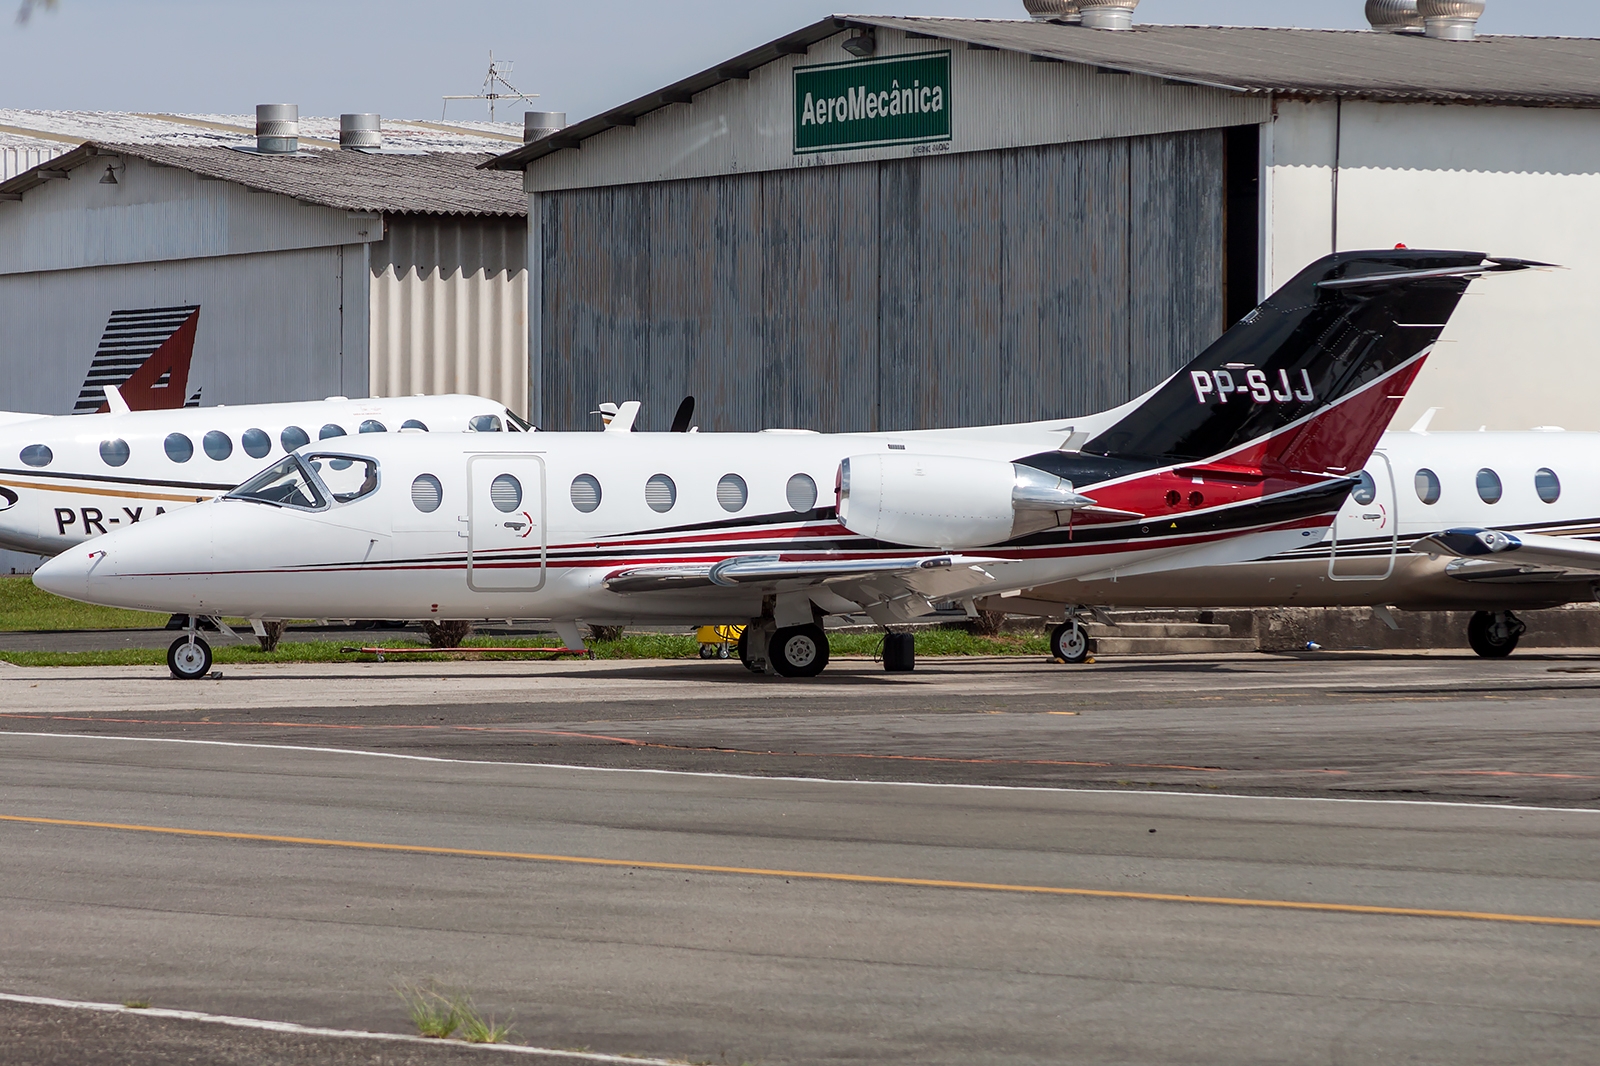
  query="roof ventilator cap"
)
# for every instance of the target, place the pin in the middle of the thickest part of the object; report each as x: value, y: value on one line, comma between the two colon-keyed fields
x: 1108, y: 14
x: 537, y: 124
x: 1451, y: 20
x: 1394, y: 16
x: 1052, y: 10
x: 360, y: 131
x: 277, y: 129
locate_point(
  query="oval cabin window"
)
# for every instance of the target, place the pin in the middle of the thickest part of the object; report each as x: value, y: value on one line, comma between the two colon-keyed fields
x: 114, y: 452
x: 505, y: 492
x: 1427, y: 486
x: 218, y: 445
x: 586, y: 492
x: 294, y: 437
x: 660, y: 493
x: 180, y: 449
x: 1366, y: 489
x: 1547, y: 485
x: 414, y: 423
x: 732, y: 492
x: 372, y: 425
x: 801, y: 492
x: 256, y: 443
x: 330, y: 430
x: 1489, y: 487
x: 37, y: 455
x: 426, y: 493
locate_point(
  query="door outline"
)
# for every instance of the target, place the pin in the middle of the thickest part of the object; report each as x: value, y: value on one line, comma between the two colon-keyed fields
x: 1394, y: 533
x: 472, y: 517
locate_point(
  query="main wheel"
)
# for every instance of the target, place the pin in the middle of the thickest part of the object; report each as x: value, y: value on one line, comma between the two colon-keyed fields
x: 899, y: 653
x: 1494, y: 636
x: 189, y: 661
x: 799, y: 651
x: 1069, y: 643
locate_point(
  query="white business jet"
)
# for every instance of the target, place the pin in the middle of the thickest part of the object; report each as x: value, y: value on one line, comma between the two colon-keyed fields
x: 67, y: 478
x: 1247, y: 452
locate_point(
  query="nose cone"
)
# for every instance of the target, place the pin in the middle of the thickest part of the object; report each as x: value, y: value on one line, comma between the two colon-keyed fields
x: 68, y: 573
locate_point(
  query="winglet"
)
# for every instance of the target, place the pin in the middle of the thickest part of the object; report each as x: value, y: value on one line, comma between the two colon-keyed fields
x: 1425, y: 421
x: 114, y: 401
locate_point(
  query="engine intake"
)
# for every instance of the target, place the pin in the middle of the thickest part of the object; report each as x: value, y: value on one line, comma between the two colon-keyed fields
x: 946, y: 501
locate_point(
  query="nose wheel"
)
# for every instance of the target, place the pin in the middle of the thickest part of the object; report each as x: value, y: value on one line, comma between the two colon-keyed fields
x: 1069, y: 642
x: 1494, y: 635
x: 189, y: 658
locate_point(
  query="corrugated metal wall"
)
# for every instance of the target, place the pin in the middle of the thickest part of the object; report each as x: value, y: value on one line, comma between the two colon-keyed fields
x: 933, y: 291
x: 449, y: 309
x: 14, y: 161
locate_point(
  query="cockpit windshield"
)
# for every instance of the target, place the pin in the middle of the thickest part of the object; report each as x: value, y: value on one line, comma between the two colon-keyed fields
x: 284, y: 485
x: 517, y: 423
x: 346, y: 476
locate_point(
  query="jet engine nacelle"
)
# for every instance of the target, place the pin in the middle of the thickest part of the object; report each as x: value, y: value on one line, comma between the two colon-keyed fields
x: 947, y: 501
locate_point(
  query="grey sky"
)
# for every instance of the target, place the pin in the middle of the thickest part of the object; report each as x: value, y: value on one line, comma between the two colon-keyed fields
x: 399, y: 57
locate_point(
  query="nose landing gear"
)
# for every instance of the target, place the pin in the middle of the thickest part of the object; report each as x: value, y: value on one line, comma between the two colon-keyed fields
x: 1494, y: 634
x: 189, y: 657
x: 1069, y: 641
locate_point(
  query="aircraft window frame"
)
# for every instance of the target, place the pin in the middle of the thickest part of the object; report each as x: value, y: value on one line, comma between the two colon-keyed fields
x: 802, y: 486
x: 499, y: 486
x: 1366, y: 489
x: 342, y: 461
x: 415, y: 423
x: 178, y: 443
x: 372, y: 425
x: 733, y: 493
x: 247, y: 491
x: 1428, y: 487
x: 433, y: 487
x: 115, y: 452
x: 1491, y: 489
x: 654, y: 487
x: 251, y: 438
x: 331, y: 430
x: 301, y: 436
x: 586, y: 503
x: 473, y: 425
x: 1547, y: 483
x: 515, y: 423
x: 37, y: 456
x: 216, y: 441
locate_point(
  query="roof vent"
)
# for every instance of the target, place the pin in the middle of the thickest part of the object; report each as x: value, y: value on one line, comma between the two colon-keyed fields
x: 1052, y: 10
x: 1394, y: 16
x: 537, y: 124
x: 1108, y: 14
x: 1451, y: 20
x: 277, y: 129
x: 360, y: 131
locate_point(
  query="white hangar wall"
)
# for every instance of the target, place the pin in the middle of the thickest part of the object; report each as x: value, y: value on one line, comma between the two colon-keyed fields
x: 1522, y: 351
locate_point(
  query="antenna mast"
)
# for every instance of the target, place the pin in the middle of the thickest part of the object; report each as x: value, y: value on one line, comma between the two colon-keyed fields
x: 492, y: 83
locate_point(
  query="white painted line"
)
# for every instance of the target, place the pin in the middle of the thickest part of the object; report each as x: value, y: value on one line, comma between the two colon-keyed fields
x: 312, y: 1030
x: 808, y: 780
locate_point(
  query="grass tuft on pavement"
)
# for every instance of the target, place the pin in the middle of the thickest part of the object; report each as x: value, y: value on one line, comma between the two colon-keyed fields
x: 433, y: 1013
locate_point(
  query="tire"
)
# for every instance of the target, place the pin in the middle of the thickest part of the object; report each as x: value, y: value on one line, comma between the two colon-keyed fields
x: 1489, y: 644
x: 708, y: 651
x: 1069, y: 643
x: 189, y: 662
x: 799, y: 651
x: 899, y: 653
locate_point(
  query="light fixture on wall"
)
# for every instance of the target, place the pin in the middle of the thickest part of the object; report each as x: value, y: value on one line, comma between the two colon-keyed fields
x: 110, y: 176
x: 862, y: 43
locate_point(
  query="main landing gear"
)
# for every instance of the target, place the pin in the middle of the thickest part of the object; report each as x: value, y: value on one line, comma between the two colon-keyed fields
x: 1494, y: 634
x: 189, y: 657
x: 794, y: 651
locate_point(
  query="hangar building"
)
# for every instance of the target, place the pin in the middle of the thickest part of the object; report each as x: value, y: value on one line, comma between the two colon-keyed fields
x: 301, y: 273
x: 881, y: 223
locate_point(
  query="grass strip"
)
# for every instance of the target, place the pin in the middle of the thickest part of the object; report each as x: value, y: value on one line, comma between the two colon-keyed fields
x: 25, y: 606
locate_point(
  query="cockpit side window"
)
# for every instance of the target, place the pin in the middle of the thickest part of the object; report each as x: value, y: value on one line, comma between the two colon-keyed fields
x: 286, y: 485
x: 484, y: 423
x: 347, y: 477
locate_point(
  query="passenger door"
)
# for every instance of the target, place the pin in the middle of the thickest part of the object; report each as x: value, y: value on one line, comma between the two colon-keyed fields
x: 506, y: 539
x: 1366, y: 534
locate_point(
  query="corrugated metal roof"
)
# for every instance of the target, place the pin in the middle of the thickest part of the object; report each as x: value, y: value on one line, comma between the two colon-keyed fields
x: 434, y: 184
x: 1356, y: 64
x: 33, y: 128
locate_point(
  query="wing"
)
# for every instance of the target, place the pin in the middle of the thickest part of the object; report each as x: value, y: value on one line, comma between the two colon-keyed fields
x: 1493, y: 555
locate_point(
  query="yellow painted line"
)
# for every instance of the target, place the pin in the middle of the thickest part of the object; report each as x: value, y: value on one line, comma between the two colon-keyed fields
x: 816, y: 875
x: 127, y: 494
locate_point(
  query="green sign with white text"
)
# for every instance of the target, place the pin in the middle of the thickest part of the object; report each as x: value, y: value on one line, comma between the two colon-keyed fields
x: 869, y: 103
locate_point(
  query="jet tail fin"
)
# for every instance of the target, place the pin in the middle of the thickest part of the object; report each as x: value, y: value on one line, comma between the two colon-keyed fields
x: 1311, y: 378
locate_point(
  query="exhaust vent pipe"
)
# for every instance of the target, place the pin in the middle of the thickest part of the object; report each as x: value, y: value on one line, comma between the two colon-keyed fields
x: 1108, y: 14
x: 538, y: 124
x: 1052, y: 10
x: 1451, y: 20
x: 364, y: 130
x: 277, y: 129
x: 1394, y: 16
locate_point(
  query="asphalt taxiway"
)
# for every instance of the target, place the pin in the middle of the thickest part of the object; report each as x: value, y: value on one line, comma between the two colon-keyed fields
x: 1351, y: 859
